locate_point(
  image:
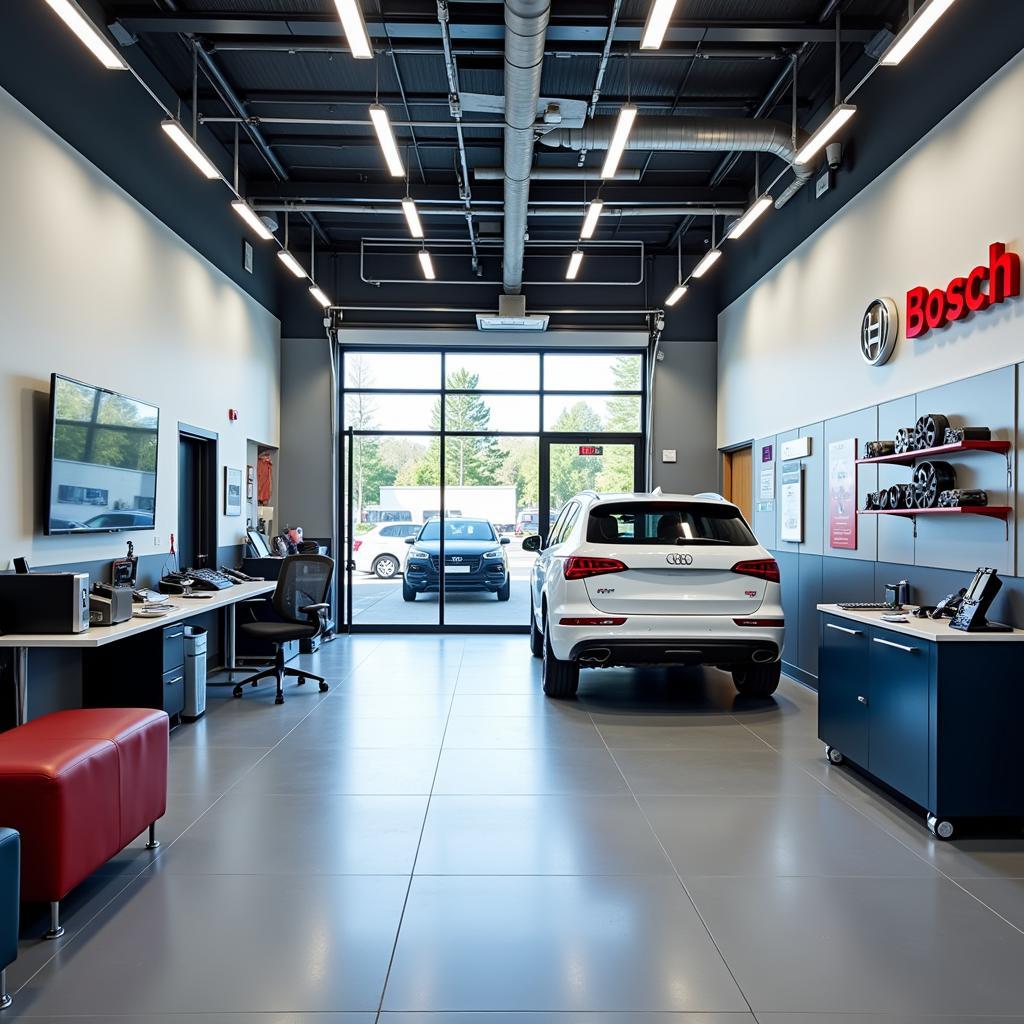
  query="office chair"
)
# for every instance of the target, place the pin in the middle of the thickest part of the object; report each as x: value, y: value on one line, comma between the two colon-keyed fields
x: 300, y: 602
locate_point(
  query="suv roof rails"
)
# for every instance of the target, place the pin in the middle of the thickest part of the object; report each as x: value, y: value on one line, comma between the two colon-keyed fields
x: 588, y: 491
x: 710, y: 495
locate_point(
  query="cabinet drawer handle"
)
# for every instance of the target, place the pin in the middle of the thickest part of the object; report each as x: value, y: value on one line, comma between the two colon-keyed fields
x: 842, y: 629
x: 178, y: 679
x: 174, y: 636
x: 899, y: 647
x: 862, y: 700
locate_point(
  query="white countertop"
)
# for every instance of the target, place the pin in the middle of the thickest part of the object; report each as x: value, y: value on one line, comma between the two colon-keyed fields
x: 97, y: 636
x: 922, y: 629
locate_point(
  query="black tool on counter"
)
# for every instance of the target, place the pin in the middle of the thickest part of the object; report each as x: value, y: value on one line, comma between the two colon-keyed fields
x: 970, y: 617
x: 948, y: 606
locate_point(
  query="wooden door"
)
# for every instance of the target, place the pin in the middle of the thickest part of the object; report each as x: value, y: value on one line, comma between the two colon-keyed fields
x: 737, y: 479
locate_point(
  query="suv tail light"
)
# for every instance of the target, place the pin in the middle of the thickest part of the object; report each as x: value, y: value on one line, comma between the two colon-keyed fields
x: 581, y: 568
x: 762, y: 569
x: 592, y: 622
x: 763, y: 623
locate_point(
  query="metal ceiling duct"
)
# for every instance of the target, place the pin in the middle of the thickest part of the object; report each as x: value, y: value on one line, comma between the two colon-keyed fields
x: 526, y: 25
x: 695, y: 135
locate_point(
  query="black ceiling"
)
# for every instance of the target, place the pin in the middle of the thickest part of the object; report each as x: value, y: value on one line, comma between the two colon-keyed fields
x: 288, y: 59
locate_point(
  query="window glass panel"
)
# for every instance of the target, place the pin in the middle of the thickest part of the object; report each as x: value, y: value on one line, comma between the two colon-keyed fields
x: 367, y: 411
x: 664, y: 522
x: 417, y: 371
x: 592, y: 372
x: 589, y: 414
x: 472, y: 371
x: 504, y: 413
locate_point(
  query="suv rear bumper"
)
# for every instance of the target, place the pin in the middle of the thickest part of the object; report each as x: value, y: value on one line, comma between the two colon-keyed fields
x: 595, y: 653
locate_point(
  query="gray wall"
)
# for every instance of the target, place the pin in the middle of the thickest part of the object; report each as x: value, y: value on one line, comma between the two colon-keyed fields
x: 685, y: 388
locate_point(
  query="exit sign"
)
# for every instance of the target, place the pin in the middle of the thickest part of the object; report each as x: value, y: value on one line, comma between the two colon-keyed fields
x: 591, y: 449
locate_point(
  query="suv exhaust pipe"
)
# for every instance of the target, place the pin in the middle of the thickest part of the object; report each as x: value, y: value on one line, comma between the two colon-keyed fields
x: 763, y: 657
x: 598, y: 656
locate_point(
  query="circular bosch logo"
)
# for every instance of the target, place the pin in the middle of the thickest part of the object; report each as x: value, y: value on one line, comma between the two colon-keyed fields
x: 678, y: 558
x: 878, y: 330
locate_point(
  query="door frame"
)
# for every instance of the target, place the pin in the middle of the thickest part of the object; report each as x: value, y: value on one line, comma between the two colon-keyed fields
x: 207, y: 498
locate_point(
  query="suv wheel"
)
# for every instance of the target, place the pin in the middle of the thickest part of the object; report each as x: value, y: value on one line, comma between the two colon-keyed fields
x: 385, y: 566
x: 536, y: 636
x: 561, y: 678
x: 505, y: 590
x: 757, y: 680
x: 408, y: 594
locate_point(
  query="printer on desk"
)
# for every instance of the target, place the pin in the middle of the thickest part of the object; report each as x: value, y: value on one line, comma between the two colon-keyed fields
x: 44, y: 602
x: 109, y: 605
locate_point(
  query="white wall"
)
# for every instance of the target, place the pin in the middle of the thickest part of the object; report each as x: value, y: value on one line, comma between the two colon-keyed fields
x: 94, y: 287
x: 788, y: 348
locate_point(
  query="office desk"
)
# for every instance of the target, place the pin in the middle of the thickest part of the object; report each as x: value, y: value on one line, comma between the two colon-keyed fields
x: 100, y: 636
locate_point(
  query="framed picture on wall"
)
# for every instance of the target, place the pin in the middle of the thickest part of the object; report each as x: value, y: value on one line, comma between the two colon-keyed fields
x: 842, y: 494
x: 232, y: 491
x: 250, y: 482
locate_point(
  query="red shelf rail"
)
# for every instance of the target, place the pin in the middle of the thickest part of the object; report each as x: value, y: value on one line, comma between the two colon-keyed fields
x: 992, y: 511
x: 909, y: 458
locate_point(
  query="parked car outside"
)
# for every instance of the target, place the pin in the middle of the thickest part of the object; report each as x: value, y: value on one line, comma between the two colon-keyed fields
x: 382, y: 551
x: 474, y: 559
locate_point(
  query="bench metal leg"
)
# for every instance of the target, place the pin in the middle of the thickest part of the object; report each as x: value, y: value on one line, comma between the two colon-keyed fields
x: 5, y: 996
x: 154, y: 843
x: 21, y: 685
x: 56, y: 929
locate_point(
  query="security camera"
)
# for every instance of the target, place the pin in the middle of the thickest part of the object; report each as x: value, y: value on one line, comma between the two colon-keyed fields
x: 834, y: 155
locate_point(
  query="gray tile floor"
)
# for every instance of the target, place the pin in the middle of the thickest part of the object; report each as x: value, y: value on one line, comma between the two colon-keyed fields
x: 435, y: 843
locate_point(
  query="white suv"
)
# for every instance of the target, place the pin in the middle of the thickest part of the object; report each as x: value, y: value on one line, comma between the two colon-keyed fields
x: 383, y: 549
x: 654, y: 579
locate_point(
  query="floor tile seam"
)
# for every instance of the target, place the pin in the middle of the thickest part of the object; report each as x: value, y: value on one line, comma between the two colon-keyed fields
x: 679, y: 879
x: 129, y: 882
x: 892, y: 835
x: 416, y: 854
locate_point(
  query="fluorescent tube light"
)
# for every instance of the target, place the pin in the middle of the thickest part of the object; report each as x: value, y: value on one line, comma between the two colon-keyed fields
x: 914, y: 31
x: 825, y: 131
x: 709, y: 259
x: 627, y: 115
x: 575, y: 261
x: 319, y: 296
x: 428, y: 267
x: 189, y: 147
x: 386, y: 138
x: 740, y: 226
x: 291, y: 262
x: 658, y: 18
x: 412, y: 217
x: 677, y: 293
x: 71, y: 14
x: 594, y: 208
x: 249, y: 215
x: 354, y: 28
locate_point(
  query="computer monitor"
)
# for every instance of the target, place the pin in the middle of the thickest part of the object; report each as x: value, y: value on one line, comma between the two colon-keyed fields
x: 259, y: 544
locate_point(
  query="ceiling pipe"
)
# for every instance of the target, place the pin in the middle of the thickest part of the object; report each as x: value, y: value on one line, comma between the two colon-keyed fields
x: 568, y: 212
x: 526, y: 24
x: 692, y: 135
x: 559, y: 174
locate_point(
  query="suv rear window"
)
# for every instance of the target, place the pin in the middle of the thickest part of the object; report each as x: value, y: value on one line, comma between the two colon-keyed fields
x: 668, y: 522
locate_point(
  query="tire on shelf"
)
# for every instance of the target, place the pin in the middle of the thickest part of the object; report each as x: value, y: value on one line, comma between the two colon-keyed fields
x: 931, y: 430
x: 930, y: 480
x: 904, y: 440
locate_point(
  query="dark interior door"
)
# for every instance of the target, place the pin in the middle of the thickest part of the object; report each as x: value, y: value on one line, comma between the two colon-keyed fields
x: 188, y: 499
x: 197, y: 500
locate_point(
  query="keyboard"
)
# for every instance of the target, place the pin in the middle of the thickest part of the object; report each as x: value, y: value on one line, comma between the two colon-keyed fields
x: 209, y: 579
x: 865, y: 606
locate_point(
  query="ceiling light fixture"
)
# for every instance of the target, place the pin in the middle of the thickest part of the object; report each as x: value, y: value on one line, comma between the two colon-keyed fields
x: 412, y: 217
x: 658, y: 18
x: 914, y: 31
x: 318, y: 294
x: 824, y: 132
x: 709, y: 259
x: 428, y: 267
x: 676, y: 294
x: 249, y: 215
x: 386, y: 138
x: 181, y: 138
x: 291, y: 262
x: 71, y: 14
x: 354, y: 28
x: 740, y: 226
x: 575, y: 262
x: 623, y: 126
x: 680, y: 289
x: 594, y: 208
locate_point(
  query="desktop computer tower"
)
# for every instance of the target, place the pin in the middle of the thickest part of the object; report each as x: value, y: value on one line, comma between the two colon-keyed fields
x: 44, y: 602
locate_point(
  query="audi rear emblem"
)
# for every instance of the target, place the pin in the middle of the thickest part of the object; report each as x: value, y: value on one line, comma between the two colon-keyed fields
x: 878, y: 330
x: 678, y: 558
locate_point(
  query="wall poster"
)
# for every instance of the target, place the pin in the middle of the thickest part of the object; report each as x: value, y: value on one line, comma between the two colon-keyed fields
x: 766, y: 482
x: 842, y: 494
x: 791, y: 505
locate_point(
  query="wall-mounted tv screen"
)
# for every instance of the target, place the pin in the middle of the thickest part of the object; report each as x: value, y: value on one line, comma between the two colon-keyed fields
x: 102, y: 472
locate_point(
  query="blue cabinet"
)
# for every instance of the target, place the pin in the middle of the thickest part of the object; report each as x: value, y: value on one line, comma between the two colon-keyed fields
x: 937, y: 720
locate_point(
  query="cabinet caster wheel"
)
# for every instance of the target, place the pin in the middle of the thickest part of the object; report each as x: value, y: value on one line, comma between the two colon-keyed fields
x: 236, y: 692
x: 324, y: 687
x: 279, y: 699
x: 941, y: 828
x: 834, y: 756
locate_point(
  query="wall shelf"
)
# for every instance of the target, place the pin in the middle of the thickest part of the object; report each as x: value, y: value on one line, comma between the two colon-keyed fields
x: 992, y: 511
x: 909, y: 458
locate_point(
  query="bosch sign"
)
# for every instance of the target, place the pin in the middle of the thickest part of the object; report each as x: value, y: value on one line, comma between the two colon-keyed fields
x: 929, y: 309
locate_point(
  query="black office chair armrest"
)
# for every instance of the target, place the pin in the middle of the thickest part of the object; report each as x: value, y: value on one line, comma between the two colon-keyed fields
x: 317, y: 612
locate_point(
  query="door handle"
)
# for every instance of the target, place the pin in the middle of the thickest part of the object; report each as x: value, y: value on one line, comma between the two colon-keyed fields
x: 899, y: 647
x: 862, y: 700
x: 842, y: 629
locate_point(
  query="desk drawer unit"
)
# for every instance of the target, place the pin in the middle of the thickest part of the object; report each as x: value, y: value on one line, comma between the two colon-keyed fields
x: 843, y: 704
